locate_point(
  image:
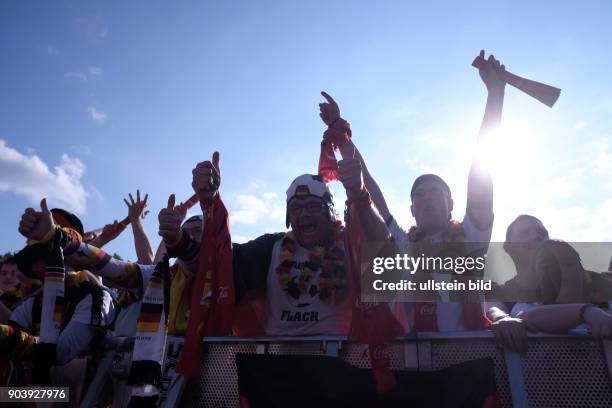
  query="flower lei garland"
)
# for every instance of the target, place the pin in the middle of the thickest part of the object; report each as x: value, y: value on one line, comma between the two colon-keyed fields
x: 453, y: 242
x: 453, y: 233
x: 332, y: 282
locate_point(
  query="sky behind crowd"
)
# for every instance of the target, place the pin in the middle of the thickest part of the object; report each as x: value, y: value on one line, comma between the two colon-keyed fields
x: 101, y: 98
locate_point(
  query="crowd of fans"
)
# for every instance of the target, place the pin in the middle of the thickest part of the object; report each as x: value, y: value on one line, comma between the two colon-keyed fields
x: 62, y: 294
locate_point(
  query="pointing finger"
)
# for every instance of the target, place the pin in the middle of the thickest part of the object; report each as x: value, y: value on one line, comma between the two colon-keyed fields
x: 329, y: 98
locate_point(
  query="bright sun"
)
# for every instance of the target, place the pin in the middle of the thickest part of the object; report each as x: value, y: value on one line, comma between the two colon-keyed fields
x: 508, y: 153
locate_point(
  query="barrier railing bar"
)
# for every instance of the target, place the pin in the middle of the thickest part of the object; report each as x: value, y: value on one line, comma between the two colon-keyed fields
x: 175, y: 391
x: 516, y: 380
x: 102, y: 375
x: 475, y: 334
x: 331, y: 348
x: 606, y: 345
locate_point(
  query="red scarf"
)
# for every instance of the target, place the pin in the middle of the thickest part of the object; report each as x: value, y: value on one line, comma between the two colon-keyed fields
x: 425, y: 313
x: 372, y: 323
x: 212, y: 296
x: 334, y: 137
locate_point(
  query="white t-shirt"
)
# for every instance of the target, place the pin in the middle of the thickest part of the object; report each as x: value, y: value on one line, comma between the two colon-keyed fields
x: 127, y: 319
x: 449, y: 314
x: 306, y: 315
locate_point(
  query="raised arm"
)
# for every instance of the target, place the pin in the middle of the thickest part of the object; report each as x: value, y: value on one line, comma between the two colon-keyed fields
x: 480, y: 185
x: 109, y: 233
x: 330, y: 112
x: 350, y: 172
x: 177, y: 242
x: 137, y: 214
x: 38, y: 227
x: 370, y: 184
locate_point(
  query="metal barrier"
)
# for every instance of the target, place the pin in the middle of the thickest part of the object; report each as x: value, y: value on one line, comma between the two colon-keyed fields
x: 558, y: 370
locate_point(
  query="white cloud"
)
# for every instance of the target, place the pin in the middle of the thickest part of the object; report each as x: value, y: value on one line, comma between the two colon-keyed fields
x: 270, y: 195
x: 580, y: 125
x: 83, y: 76
x: 97, y: 116
x: 257, y: 185
x: 95, y: 71
x: 75, y: 76
x: 29, y: 176
x: 52, y: 50
x: 253, y: 209
x: 97, y: 193
x: 602, y: 160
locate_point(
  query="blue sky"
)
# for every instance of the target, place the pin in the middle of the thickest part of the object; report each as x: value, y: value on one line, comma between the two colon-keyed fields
x: 101, y: 98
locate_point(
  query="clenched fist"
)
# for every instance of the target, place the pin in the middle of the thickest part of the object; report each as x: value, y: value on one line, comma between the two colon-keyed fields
x: 207, y: 178
x: 491, y: 72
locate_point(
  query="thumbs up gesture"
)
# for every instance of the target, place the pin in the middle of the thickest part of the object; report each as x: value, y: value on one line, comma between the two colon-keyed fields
x: 207, y: 178
x: 36, y: 224
x: 170, y: 219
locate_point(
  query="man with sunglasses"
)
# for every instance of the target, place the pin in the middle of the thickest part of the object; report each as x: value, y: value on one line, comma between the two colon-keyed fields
x: 302, y: 272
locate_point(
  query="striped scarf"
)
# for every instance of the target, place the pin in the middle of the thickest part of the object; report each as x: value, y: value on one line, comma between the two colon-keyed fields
x: 16, y: 343
x: 148, y: 354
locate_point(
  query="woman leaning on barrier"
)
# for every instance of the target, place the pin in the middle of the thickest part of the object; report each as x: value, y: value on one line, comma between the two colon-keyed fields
x: 552, y: 292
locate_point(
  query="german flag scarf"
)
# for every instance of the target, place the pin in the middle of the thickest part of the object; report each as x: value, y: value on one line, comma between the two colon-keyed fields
x: 372, y: 323
x: 148, y: 354
x: 53, y: 305
x: 212, y: 296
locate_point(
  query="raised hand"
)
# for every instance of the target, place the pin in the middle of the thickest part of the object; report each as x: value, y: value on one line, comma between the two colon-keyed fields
x: 207, y: 178
x: 491, y: 72
x: 136, y: 209
x: 36, y: 224
x: 170, y: 219
x: 330, y: 111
